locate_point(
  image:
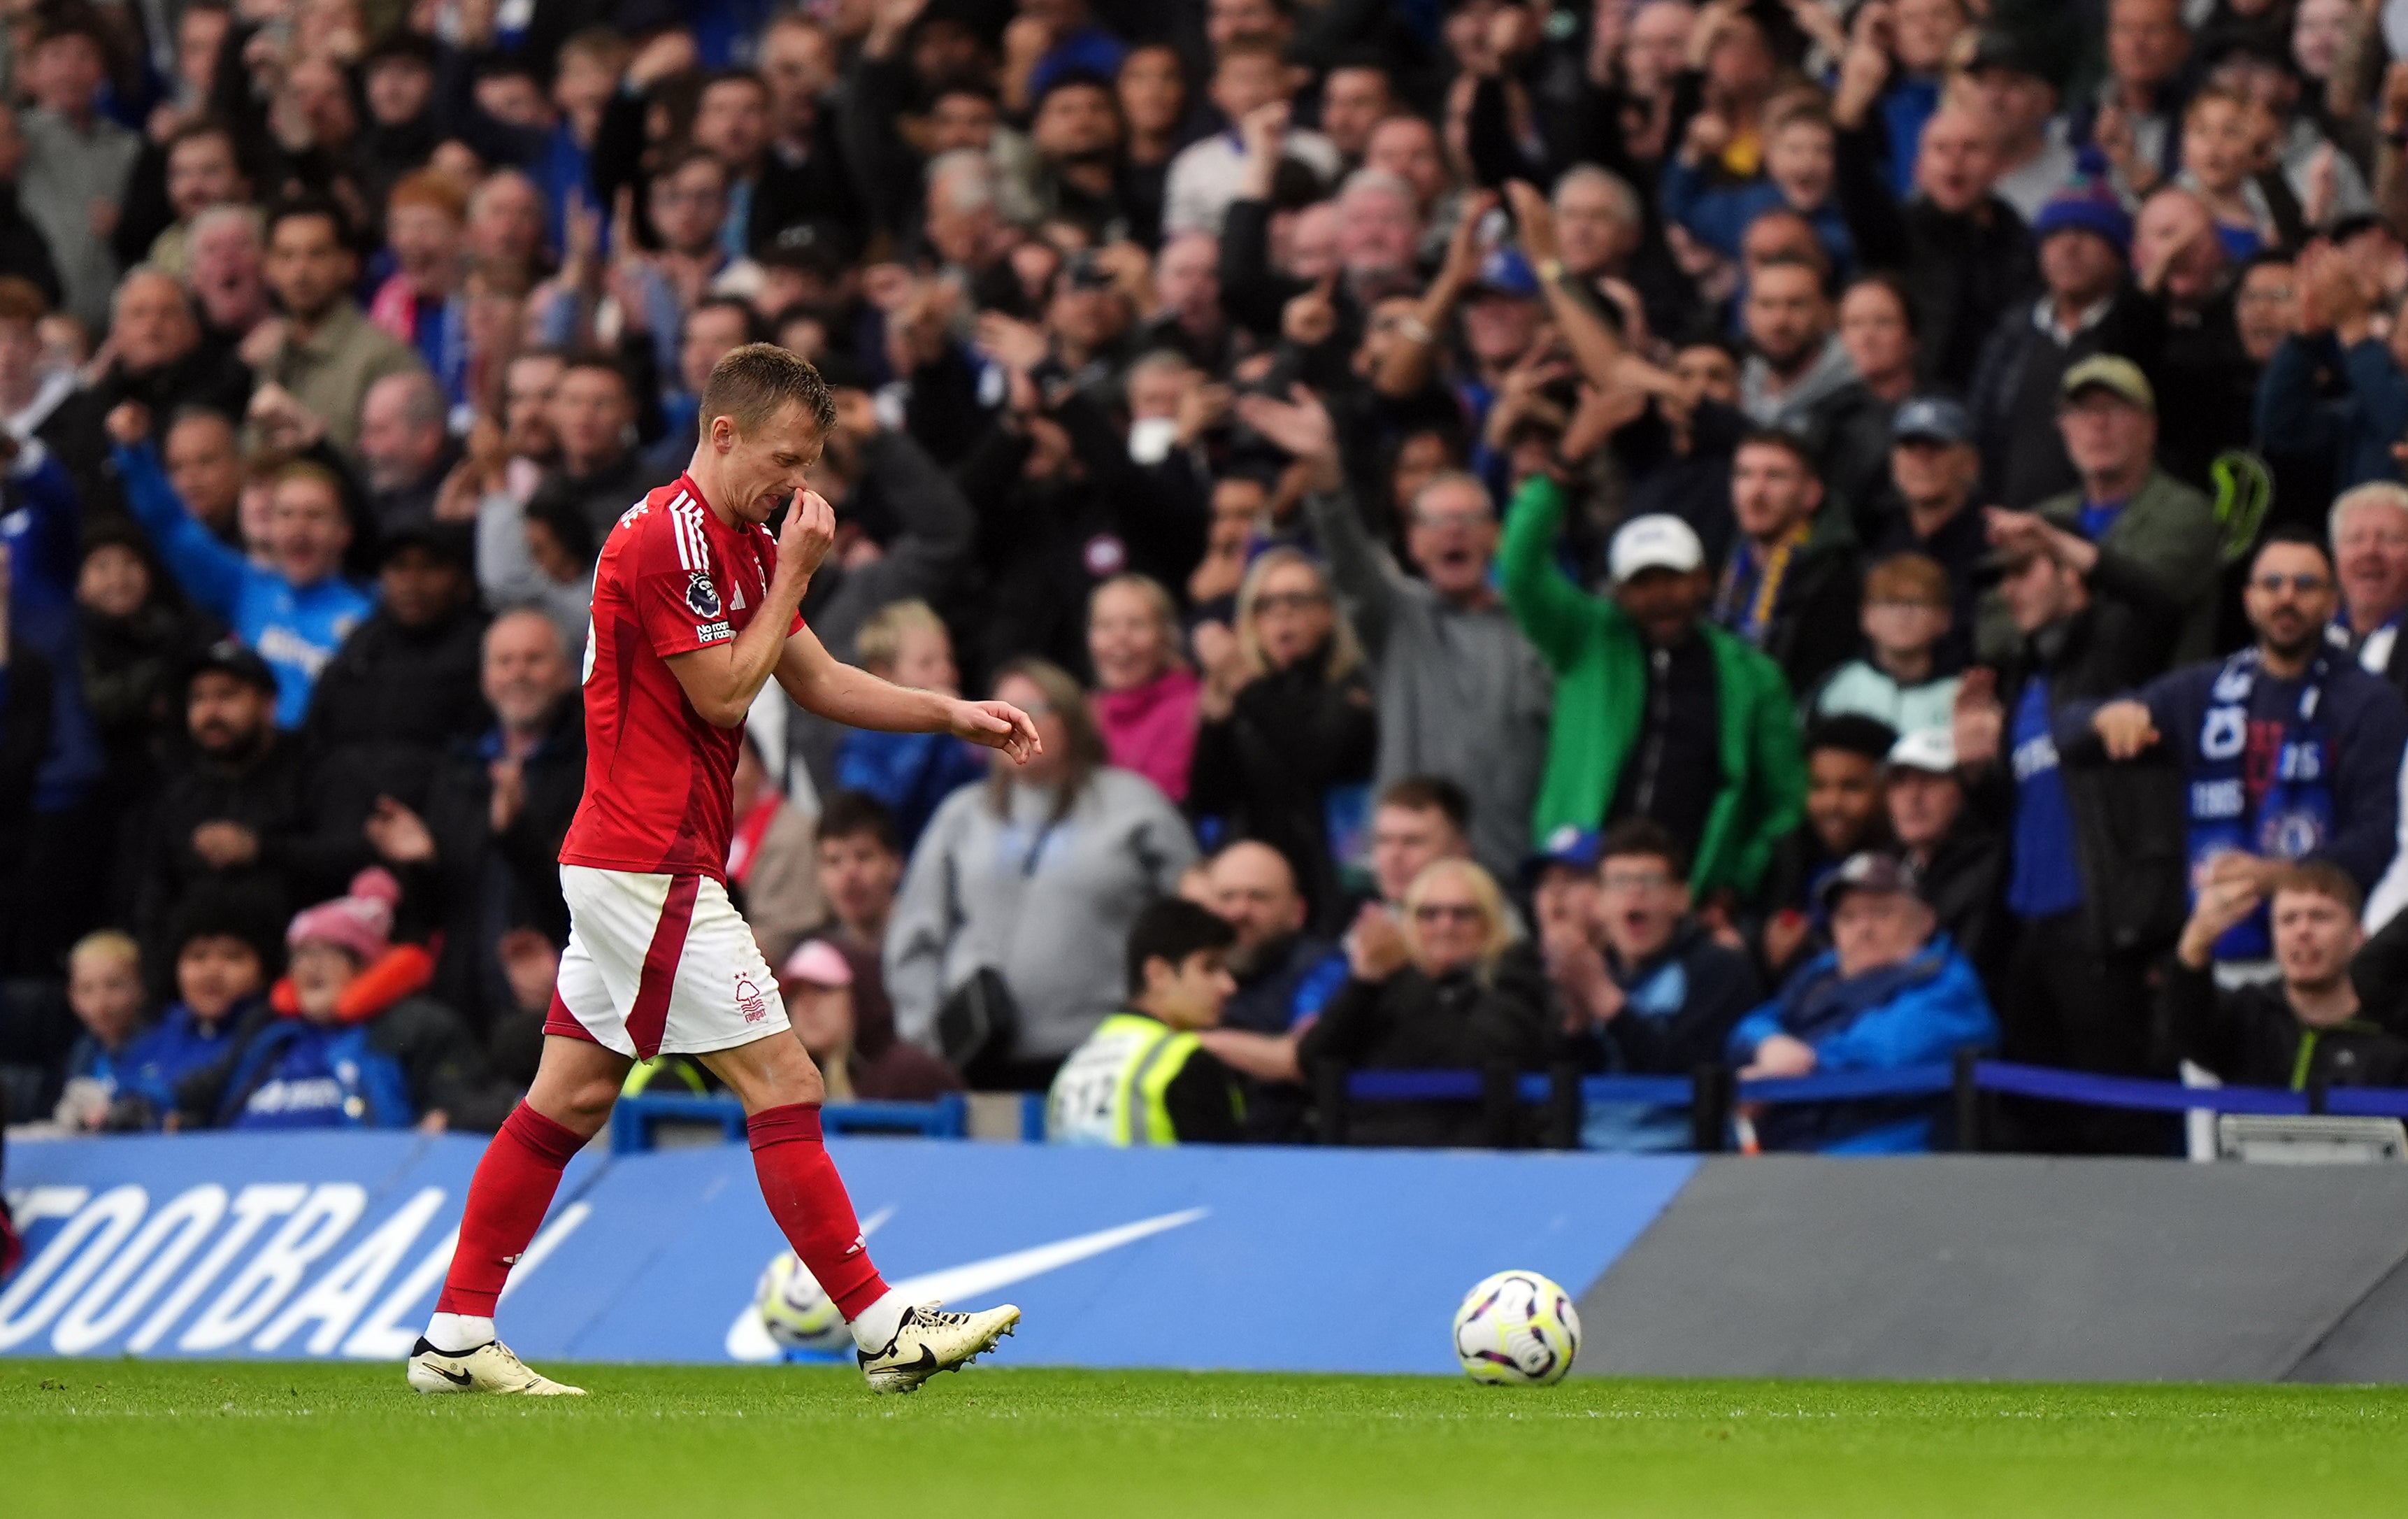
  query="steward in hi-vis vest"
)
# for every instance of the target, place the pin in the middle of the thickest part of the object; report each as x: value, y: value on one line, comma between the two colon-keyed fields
x: 1143, y: 1076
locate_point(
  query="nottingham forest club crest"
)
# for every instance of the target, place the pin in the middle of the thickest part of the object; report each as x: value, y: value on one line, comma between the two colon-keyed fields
x: 701, y: 596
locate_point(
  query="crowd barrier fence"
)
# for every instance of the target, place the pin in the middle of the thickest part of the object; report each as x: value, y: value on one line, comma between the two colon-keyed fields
x: 1711, y: 1094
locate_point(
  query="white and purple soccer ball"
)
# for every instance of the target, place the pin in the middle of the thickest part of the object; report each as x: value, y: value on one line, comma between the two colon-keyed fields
x: 1517, y: 1330
x: 797, y: 1312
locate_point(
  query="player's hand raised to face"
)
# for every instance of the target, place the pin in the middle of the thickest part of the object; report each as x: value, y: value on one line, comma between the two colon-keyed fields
x: 998, y: 725
x: 808, y: 534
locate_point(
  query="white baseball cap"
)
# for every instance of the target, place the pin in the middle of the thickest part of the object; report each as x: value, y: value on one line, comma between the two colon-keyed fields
x: 1655, y: 541
x: 1926, y: 749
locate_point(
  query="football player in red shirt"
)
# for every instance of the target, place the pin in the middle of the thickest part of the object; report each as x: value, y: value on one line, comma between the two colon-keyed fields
x: 695, y: 610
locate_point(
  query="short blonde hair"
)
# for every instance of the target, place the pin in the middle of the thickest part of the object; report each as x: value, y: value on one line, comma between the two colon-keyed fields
x: 106, y: 944
x: 1345, y: 653
x: 880, y: 642
x: 1483, y: 886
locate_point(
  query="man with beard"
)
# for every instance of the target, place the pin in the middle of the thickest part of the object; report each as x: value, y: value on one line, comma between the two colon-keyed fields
x: 2288, y: 751
x: 1800, y: 377
x: 1845, y: 815
x: 235, y: 813
x: 1075, y: 129
x: 1791, y: 586
x: 325, y: 352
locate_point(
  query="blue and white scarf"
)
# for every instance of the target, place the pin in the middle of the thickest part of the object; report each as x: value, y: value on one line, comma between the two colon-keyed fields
x: 2294, y: 815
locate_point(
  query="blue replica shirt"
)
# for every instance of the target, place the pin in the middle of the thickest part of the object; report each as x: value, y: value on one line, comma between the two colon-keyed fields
x: 2096, y: 517
x: 157, y: 1061
x: 2045, y: 881
x: 297, y: 629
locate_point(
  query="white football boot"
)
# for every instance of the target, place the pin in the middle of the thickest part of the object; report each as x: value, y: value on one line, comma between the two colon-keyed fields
x: 491, y: 1368
x: 928, y: 1342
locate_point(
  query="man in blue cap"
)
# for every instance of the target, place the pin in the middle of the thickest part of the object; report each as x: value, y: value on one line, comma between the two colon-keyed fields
x: 2089, y: 305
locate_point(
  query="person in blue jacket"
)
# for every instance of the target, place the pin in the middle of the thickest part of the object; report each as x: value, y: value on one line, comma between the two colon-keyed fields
x: 297, y: 612
x: 1893, y: 993
x: 347, y: 1042
x: 223, y: 946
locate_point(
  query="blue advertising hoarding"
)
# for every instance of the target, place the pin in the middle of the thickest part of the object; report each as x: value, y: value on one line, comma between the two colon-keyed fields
x: 335, y: 1244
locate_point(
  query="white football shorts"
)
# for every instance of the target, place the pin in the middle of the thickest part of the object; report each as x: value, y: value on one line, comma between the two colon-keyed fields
x: 659, y: 964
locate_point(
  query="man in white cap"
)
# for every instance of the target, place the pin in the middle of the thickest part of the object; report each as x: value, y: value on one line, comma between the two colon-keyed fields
x: 1658, y: 714
x: 1959, y: 862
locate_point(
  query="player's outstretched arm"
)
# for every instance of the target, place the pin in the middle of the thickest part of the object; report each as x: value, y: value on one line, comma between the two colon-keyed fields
x: 824, y: 684
x: 722, y: 681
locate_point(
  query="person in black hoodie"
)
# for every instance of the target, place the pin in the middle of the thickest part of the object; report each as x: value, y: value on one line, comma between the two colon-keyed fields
x: 2308, y: 1031
x: 1288, y: 718
x: 2096, y: 885
x: 1646, y: 989
x: 1962, y: 251
x: 404, y: 683
x: 135, y: 634
x: 237, y: 809
x: 1444, y: 990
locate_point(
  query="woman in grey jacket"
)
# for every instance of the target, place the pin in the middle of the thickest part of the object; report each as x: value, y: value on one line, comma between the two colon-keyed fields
x: 1036, y: 874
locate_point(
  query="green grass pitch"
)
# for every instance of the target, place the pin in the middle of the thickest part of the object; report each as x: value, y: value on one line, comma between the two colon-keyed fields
x: 168, y: 1438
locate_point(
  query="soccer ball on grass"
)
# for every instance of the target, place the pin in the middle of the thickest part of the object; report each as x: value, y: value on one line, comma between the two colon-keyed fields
x: 1517, y: 1330
x: 797, y: 1314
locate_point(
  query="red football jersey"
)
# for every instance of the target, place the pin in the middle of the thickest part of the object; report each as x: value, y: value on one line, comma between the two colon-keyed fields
x: 672, y: 579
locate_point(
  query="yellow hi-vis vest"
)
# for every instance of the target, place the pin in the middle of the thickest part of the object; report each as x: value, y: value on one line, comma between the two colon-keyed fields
x: 1110, y: 1090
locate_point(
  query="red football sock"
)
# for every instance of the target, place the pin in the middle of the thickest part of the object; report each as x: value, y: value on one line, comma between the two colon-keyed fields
x: 808, y: 1199
x: 513, y: 1187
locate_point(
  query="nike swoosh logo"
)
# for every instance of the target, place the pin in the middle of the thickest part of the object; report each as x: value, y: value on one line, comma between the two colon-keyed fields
x: 926, y: 1364
x: 748, y: 1340
x: 457, y: 1379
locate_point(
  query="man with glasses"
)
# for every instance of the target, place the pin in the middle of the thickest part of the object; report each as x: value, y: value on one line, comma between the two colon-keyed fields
x: 2288, y: 751
x: 1642, y: 987
x: 1462, y: 693
x: 2107, y: 413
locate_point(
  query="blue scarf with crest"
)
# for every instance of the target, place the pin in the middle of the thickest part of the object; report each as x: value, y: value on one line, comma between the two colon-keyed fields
x: 2292, y: 815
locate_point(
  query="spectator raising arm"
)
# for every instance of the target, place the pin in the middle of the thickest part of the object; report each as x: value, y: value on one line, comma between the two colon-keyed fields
x: 211, y: 572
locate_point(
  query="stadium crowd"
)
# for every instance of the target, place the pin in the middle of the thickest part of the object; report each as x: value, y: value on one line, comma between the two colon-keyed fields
x: 1801, y: 535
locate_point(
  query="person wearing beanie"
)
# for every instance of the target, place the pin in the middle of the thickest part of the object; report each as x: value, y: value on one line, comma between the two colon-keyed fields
x: 2088, y: 305
x: 347, y: 1041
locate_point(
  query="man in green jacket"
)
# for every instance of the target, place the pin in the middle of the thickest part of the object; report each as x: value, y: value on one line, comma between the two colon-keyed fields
x: 1658, y: 714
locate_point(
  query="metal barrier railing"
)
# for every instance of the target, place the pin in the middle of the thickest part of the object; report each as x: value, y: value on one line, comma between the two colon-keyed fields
x: 634, y: 1121
x: 1711, y: 1094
